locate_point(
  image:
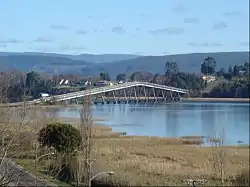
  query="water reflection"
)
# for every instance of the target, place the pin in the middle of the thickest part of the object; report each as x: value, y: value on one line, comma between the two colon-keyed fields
x: 175, y: 119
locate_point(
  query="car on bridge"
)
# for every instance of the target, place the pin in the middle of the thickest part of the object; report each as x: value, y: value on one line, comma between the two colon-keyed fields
x: 104, y: 83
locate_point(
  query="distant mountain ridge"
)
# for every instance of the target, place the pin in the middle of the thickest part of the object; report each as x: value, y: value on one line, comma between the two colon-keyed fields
x: 186, y: 62
x: 89, y: 64
x: 94, y: 58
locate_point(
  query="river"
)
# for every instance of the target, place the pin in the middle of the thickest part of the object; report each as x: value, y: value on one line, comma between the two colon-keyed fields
x: 175, y: 119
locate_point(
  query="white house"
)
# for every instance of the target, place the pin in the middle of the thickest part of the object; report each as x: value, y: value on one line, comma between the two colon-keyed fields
x: 43, y: 95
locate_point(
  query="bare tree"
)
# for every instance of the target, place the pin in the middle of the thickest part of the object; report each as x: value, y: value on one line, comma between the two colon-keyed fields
x: 8, y: 133
x: 14, y: 123
x: 220, y: 156
x: 84, y: 158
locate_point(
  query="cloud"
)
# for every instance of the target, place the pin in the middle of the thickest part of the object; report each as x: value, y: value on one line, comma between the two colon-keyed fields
x: 10, y: 41
x: 179, y: 8
x: 220, y: 25
x: 167, y: 53
x: 205, y: 44
x: 3, y: 46
x: 191, y: 20
x: 232, y: 13
x: 81, y: 32
x: 118, y: 30
x: 58, y: 27
x: 45, y: 39
x: 244, y: 44
x: 169, y: 30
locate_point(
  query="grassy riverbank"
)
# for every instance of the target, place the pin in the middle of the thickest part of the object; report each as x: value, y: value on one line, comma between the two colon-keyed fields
x: 147, y: 161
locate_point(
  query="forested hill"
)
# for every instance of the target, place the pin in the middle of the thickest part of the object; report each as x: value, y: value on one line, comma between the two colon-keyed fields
x: 186, y: 62
x: 155, y: 64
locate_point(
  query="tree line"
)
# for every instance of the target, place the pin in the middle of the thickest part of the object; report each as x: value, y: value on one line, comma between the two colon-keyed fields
x: 20, y: 86
x: 236, y: 84
x: 236, y: 77
x: 30, y: 85
x: 172, y: 77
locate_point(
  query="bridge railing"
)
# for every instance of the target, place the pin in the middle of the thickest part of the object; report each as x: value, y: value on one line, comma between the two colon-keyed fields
x: 93, y: 90
x: 163, y: 86
x: 114, y: 87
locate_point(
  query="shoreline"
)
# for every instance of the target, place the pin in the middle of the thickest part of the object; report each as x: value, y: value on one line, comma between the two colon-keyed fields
x: 189, y: 99
x: 204, y: 99
x: 100, y: 130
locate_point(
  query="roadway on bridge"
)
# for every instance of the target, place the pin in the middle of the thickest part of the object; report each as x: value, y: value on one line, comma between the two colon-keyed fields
x: 99, y: 90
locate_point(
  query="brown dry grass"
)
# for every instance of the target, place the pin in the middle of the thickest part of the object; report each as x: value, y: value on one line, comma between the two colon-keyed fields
x: 158, y: 161
x: 162, y: 161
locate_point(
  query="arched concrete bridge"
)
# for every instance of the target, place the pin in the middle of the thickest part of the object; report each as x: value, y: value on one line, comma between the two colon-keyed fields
x: 127, y: 91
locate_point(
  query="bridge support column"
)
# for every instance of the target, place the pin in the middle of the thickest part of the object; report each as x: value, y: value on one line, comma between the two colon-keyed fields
x: 125, y: 95
x: 114, y: 97
x: 102, y: 98
x: 163, y: 96
x: 154, y: 94
x: 157, y: 95
x: 145, y: 93
x: 171, y: 96
x: 136, y: 99
x: 149, y: 94
x: 119, y: 96
x: 108, y: 98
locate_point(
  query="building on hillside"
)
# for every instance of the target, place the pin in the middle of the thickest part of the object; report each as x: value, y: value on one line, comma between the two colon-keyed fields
x: 209, y: 78
x: 63, y: 82
x: 44, y: 95
x: 242, y: 72
x: 85, y: 83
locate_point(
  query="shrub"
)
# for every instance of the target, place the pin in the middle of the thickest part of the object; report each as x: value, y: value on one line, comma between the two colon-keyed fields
x: 64, y: 138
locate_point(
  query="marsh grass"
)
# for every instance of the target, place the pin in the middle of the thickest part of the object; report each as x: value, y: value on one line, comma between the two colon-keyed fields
x: 147, y: 161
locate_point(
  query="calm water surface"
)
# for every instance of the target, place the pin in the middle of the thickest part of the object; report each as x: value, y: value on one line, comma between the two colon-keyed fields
x: 175, y: 119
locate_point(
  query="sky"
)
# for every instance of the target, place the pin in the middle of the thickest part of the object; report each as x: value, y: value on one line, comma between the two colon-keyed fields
x: 143, y: 27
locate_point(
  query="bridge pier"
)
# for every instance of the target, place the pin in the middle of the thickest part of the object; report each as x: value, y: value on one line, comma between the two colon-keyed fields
x: 164, y: 97
x: 113, y: 93
x: 125, y: 95
x: 136, y: 100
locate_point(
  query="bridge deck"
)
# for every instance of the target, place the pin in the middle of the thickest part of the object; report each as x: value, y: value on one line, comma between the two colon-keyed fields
x: 104, y: 89
x: 99, y: 90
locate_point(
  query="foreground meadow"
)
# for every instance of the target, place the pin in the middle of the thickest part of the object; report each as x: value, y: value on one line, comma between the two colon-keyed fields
x: 146, y: 161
